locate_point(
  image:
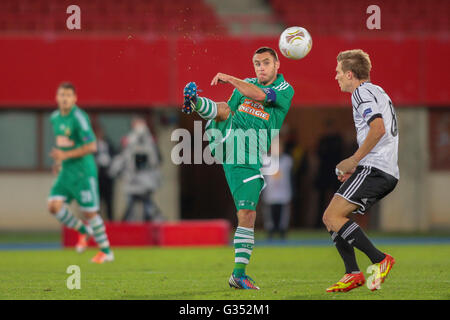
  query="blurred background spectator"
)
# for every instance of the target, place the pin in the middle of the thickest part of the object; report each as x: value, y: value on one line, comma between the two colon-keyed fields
x: 301, y: 190
x: 277, y: 194
x: 139, y: 162
x: 329, y: 153
x: 103, y: 158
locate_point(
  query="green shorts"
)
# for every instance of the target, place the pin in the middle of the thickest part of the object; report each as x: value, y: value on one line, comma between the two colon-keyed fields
x: 245, y: 183
x: 244, y: 180
x: 84, y: 189
x: 224, y: 127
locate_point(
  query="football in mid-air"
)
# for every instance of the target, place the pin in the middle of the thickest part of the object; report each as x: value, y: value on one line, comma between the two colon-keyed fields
x: 295, y: 43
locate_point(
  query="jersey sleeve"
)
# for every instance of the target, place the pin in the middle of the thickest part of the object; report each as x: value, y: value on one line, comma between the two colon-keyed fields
x: 84, y: 131
x: 235, y: 100
x: 366, y: 104
x: 279, y: 96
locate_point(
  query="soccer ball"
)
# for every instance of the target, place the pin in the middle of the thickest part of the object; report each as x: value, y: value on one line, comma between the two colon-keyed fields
x: 295, y: 43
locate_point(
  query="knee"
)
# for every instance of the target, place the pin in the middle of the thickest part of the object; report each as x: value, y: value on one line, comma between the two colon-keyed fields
x: 327, y: 219
x: 246, y: 213
x: 223, y: 111
x: 54, y: 206
x: 88, y: 215
x: 246, y: 216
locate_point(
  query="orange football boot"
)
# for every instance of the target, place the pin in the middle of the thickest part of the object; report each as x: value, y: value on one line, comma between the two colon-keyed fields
x: 82, y: 243
x: 348, y: 282
x: 102, y: 257
x: 383, y: 269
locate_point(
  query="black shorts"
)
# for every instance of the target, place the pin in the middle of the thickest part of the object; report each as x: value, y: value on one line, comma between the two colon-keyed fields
x: 366, y: 186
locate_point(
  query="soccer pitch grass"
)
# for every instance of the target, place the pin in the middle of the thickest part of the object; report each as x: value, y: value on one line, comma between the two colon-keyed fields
x: 302, y: 272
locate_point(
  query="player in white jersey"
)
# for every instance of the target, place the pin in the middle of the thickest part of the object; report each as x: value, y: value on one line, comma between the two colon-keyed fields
x: 368, y: 175
x: 370, y: 102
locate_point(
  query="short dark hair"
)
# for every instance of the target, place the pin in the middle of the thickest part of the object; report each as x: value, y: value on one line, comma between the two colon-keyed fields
x: 67, y: 85
x: 267, y: 49
x: 356, y: 61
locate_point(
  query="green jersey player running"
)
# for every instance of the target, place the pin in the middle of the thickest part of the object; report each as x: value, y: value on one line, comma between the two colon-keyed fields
x: 257, y: 104
x: 77, y: 173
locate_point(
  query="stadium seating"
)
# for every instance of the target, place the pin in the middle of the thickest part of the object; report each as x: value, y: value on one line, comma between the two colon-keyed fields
x: 402, y: 17
x: 146, y: 16
x: 408, y: 17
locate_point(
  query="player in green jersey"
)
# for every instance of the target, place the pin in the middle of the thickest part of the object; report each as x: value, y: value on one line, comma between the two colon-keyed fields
x: 257, y: 105
x: 77, y: 173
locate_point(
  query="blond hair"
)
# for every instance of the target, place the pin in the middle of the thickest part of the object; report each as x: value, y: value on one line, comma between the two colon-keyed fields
x: 356, y: 61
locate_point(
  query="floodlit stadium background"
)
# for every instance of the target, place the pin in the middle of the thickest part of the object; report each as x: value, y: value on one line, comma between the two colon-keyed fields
x: 133, y: 57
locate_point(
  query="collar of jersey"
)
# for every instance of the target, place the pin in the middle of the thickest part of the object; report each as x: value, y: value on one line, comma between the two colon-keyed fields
x: 71, y: 111
x: 277, y: 81
x: 368, y: 81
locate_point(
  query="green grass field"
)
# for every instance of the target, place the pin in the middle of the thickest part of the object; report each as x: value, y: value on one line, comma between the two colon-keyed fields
x: 421, y: 272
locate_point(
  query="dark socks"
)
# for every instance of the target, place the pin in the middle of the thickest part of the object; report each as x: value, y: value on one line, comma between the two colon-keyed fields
x: 353, y: 234
x: 347, y: 253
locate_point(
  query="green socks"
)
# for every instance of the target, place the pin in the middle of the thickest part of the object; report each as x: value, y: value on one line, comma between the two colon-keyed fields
x: 206, y: 108
x: 100, y: 236
x: 243, y: 247
x: 69, y: 220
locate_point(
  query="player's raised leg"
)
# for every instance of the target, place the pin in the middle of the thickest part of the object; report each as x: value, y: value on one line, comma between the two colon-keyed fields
x: 206, y: 108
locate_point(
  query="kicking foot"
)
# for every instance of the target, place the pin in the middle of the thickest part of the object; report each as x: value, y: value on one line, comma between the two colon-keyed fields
x: 190, y: 97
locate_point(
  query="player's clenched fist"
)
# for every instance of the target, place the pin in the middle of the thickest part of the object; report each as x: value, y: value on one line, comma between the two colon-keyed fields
x: 346, y: 166
x: 344, y: 177
x: 58, y: 155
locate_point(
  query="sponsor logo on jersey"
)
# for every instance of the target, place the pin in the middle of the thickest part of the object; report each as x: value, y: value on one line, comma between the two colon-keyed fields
x: 64, y: 142
x: 254, y: 108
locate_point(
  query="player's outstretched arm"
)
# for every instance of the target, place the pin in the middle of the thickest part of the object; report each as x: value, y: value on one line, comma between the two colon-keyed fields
x: 246, y: 89
x: 85, y: 149
x: 376, y: 132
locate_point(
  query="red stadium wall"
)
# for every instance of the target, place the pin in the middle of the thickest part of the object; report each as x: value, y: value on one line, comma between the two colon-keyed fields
x: 142, y: 72
x: 211, y: 232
